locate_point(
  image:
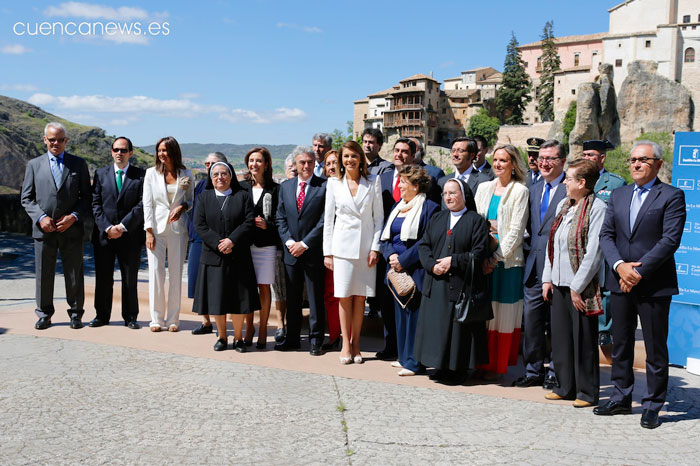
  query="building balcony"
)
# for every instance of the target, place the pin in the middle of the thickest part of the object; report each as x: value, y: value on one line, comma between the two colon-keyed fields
x: 408, y: 107
x: 394, y: 122
x: 412, y: 133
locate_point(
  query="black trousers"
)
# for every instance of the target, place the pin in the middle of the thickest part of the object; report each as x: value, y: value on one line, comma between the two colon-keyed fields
x: 312, y: 273
x: 386, y: 304
x: 46, y: 250
x: 574, y: 349
x: 128, y: 256
x: 536, y: 320
x: 653, y: 315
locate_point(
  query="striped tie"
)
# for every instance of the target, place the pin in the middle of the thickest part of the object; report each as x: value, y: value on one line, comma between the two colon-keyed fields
x: 56, y: 170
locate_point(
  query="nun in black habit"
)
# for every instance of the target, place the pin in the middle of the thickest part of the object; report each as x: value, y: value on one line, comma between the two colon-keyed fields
x: 444, y: 253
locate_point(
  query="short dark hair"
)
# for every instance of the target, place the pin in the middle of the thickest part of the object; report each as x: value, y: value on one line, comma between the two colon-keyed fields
x: 417, y: 176
x: 411, y: 144
x: 482, y: 140
x: 472, y: 147
x: 376, y: 133
x: 174, y: 153
x: 128, y: 142
x: 561, y: 148
x: 586, y: 170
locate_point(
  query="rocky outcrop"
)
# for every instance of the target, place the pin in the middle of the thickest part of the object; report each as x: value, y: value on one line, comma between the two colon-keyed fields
x: 596, y: 112
x: 649, y: 102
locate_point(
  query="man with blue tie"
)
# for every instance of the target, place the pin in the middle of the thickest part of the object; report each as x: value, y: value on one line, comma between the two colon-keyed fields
x: 545, y: 195
x: 56, y: 196
x: 642, y: 230
x: 302, y: 201
x: 321, y: 143
x: 117, y: 193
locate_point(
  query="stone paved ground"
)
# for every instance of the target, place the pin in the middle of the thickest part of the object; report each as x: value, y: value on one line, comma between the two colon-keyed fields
x: 75, y: 402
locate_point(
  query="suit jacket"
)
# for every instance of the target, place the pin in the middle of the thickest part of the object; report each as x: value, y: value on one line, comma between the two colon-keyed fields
x: 387, y: 182
x: 305, y: 225
x: 157, y: 207
x: 487, y: 169
x: 432, y: 170
x: 352, y: 225
x: 539, y: 231
x: 268, y: 236
x: 409, y: 259
x: 199, y: 187
x: 529, y: 178
x: 40, y: 195
x: 474, y: 180
x: 652, y: 241
x: 111, y: 207
x: 470, y: 234
x: 605, y: 185
x: 236, y: 222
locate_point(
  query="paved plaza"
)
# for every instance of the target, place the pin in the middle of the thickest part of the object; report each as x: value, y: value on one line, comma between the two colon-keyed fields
x: 117, y: 396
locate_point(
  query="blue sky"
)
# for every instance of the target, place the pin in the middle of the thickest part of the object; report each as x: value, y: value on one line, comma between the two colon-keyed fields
x: 252, y: 71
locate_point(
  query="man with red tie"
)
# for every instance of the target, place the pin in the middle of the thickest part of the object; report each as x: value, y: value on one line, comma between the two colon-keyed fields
x: 300, y: 223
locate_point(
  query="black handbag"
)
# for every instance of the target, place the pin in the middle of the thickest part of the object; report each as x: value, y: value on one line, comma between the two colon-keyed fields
x: 472, y: 305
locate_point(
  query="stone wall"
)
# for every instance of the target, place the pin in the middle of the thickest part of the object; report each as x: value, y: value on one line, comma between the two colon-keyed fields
x: 518, y: 135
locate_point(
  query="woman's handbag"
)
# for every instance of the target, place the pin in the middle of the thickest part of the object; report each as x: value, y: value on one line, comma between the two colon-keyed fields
x: 403, y: 284
x: 472, y: 305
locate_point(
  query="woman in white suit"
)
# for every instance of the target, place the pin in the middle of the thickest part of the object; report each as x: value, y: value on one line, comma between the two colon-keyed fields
x: 504, y: 203
x: 168, y: 191
x: 352, y: 227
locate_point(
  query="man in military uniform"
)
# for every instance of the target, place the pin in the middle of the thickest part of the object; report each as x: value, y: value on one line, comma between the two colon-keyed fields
x: 594, y: 151
x: 533, y: 151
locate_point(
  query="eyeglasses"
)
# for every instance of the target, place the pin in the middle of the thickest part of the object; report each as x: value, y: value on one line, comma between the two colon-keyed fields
x: 451, y: 193
x: 459, y: 151
x: 220, y: 175
x: 119, y: 150
x: 548, y: 159
x: 647, y: 160
x: 56, y: 140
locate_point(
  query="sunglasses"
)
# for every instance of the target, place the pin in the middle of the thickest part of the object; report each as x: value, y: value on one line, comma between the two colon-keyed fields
x: 122, y: 151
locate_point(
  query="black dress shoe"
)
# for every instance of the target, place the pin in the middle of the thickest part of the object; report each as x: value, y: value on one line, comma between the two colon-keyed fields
x: 650, y: 419
x: 239, y: 346
x: 611, y: 408
x: 132, y: 324
x: 529, y: 381
x: 333, y: 345
x: 280, y: 335
x: 439, y: 374
x: 604, y: 338
x: 203, y: 329
x: 43, y: 323
x: 261, y: 345
x: 97, y: 322
x: 75, y: 323
x: 221, y: 344
x: 385, y: 355
x: 287, y: 346
x: 550, y: 382
x: 316, y: 350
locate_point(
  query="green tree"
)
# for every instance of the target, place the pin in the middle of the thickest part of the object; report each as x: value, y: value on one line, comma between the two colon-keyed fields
x: 338, y: 139
x: 550, y: 63
x: 569, y: 122
x: 483, y: 125
x: 514, y: 93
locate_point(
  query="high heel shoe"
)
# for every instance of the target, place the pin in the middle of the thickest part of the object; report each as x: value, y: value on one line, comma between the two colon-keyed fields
x: 345, y: 360
x: 358, y: 359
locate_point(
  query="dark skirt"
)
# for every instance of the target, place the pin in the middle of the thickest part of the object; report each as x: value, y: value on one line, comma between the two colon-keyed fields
x: 226, y: 289
x: 440, y: 342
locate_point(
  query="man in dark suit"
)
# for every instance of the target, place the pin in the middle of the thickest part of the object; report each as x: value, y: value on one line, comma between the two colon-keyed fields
x: 117, y: 192
x: 432, y: 170
x: 300, y: 224
x: 480, y: 162
x: 545, y: 195
x: 641, y: 232
x: 533, y: 151
x: 372, y: 142
x: 56, y: 196
x: 463, y: 152
x: 321, y: 143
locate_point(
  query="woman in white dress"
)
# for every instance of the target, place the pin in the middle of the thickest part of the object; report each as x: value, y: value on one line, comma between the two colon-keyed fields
x: 352, y: 227
x: 168, y: 192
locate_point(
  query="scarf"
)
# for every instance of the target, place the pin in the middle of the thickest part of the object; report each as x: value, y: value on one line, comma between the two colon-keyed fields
x: 577, y: 239
x: 411, y: 224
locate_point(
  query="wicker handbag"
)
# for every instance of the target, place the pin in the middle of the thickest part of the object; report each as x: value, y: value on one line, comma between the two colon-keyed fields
x: 403, y: 284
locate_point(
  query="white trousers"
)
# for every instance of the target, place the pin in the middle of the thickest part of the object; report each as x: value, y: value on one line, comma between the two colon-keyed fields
x: 174, y: 245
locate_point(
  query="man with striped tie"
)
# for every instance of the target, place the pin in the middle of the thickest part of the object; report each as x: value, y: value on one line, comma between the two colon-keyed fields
x: 56, y: 196
x: 118, y: 233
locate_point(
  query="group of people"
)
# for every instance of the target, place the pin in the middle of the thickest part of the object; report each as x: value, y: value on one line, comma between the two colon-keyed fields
x: 468, y: 270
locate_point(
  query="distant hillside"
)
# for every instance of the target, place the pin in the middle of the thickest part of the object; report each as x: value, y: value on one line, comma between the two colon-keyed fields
x: 194, y: 154
x: 21, y: 131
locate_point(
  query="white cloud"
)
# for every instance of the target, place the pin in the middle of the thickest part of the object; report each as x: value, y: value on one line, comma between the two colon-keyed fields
x: 182, y: 108
x: 188, y: 95
x: 15, y: 49
x: 95, y: 11
x: 18, y: 87
x: 310, y: 29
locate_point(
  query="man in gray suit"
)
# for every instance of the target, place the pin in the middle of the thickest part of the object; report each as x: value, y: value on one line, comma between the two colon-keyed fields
x: 56, y: 195
x: 463, y: 152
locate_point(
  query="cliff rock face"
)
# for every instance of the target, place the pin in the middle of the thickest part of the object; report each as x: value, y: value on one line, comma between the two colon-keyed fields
x: 596, y: 112
x: 649, y: 102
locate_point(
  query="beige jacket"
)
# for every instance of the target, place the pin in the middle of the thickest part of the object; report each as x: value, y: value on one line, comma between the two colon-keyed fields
x: 512, y: 219
x: 156, y: 206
